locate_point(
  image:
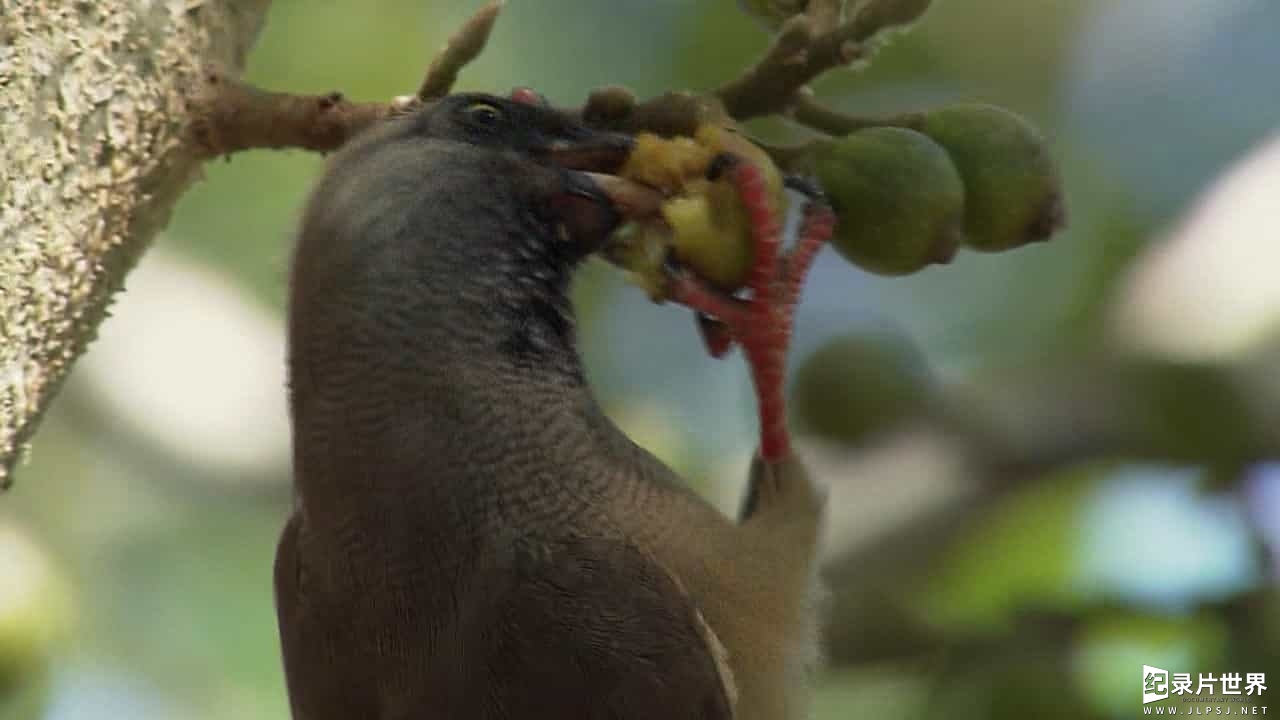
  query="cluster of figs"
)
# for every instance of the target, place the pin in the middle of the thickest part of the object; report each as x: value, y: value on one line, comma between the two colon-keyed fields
x: 906, y: 195
x: 908, y: 192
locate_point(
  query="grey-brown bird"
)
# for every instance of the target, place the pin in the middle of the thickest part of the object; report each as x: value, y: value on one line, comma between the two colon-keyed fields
x: 472, y: 537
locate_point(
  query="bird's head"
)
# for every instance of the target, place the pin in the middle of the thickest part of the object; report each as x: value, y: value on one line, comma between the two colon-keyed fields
x: 466, y: 216
x: 549, y: 156
x: 437, y: 176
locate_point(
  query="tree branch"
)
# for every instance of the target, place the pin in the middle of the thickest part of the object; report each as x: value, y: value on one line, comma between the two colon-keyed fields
x: 94, y: 160
x: 109, y: 133
x: 228, y: 116
x: 808, y: 45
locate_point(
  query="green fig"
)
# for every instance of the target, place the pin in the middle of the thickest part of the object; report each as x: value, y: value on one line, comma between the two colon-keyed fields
x: 859, y: 385
x: 899, y: 199
x: 1013, y: 194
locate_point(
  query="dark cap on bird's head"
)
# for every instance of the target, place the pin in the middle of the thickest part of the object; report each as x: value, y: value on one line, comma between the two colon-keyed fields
x: 465, y: 217
x: 578, y: 157
x: 450, y: 162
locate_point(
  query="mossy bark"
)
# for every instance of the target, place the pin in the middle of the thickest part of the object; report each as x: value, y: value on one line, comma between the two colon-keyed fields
x: 94, y: 155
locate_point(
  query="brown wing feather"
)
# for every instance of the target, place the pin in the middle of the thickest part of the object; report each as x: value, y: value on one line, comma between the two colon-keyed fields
x: 593, y: 628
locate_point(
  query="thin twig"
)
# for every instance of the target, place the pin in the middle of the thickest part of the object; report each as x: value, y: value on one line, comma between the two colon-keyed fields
x: 825, y: 14
x: 463, y: 46
x: 879, y: 15
x: 228, y: 116
x: 811, y: 113
x: 769, y: 84
x: 805, y: 47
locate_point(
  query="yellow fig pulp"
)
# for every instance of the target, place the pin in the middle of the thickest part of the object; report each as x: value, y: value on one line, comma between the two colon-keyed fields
x: 705, y: 224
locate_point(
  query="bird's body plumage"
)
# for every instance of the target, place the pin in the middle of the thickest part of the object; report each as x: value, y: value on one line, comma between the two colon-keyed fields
x: 472, y: 537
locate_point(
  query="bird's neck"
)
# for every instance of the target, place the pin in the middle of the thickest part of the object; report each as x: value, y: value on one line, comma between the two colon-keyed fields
x: 456, y: 450
x: 445, y: 401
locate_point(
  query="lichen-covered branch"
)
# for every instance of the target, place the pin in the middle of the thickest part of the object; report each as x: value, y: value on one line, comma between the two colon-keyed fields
x: 103, y: 133
x: 94, y: 157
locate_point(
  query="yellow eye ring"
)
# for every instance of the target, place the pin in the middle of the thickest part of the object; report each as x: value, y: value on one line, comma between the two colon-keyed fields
x: 484, y: 114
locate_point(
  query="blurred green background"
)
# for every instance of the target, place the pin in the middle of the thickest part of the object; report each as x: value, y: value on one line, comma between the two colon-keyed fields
x: 1049, y: 467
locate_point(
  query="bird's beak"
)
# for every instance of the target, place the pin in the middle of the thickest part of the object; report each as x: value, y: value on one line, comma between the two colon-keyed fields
x: 585, y: 210
x: 595, y: 200
x: 592, y: 201
x: 597, y: 151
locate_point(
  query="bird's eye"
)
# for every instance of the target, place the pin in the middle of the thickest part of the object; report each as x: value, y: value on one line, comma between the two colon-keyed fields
x: 483, y: 114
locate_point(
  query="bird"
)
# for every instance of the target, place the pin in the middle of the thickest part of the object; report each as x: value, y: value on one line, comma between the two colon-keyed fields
x: 471, y: 535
